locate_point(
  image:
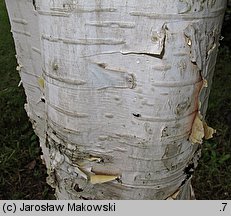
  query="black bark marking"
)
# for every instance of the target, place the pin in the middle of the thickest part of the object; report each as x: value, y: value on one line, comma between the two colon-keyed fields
x: 136, y: 115
x: 188, y: 171
x: 84, y: 198
x: 102, y: 65
x: 34, y: 4
x: 77, y: 188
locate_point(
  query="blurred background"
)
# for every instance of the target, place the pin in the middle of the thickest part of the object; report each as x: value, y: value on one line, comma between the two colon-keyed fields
x: 22, y: 175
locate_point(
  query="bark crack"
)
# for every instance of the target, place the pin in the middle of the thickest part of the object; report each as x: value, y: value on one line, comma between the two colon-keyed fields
x: 159, y: 56
x: 155, y: 38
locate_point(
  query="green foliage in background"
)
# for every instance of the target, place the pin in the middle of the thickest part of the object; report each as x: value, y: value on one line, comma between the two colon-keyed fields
x: 212, y: 179
x: 22, y: 175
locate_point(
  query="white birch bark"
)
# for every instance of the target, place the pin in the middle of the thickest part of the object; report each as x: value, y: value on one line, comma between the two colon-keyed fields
x: 125, y: 86
x: 25, y: 30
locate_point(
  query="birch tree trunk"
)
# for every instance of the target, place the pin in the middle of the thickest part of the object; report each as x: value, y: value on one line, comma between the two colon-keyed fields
x: 117, y: 91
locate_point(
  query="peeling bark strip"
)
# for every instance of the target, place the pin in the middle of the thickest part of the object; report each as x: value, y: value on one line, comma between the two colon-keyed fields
x: 117, y: 92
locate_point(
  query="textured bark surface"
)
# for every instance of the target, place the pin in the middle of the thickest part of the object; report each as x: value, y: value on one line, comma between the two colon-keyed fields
x: 117, y: 91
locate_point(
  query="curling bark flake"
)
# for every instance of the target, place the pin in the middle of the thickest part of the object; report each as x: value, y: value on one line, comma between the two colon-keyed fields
x: 116, y: 91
